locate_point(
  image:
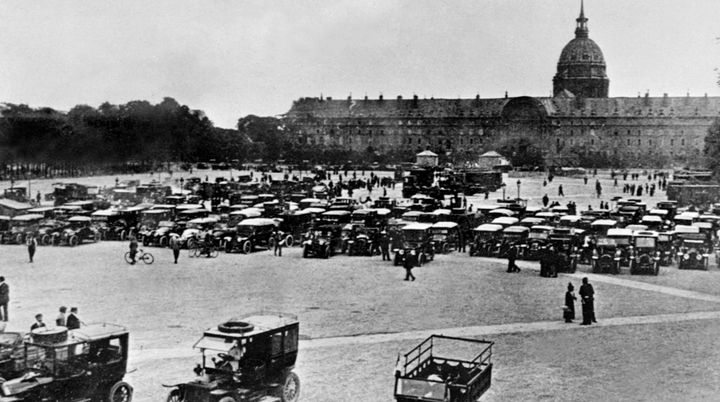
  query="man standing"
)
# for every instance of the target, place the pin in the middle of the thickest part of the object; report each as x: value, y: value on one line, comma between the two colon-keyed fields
x: 278, y: 235
x: 512, y: 256
x: 587, y: 297
x: 61, y: 320
x: 175, y: 246
x: 38, y: 322
x: 4, y: 299
x: 133, y: 248
x: 73, y: 322
x: 31, y: 245
x: 384, y: 246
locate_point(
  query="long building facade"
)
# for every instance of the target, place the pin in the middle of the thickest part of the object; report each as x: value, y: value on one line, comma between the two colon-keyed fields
x: 579, y: 123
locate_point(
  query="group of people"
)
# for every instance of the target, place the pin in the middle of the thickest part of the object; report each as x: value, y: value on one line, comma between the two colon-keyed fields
x: 70, y: 321
x: 587, y: 300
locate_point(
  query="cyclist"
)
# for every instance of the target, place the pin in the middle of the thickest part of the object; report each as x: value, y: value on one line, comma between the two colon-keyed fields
x: 207, y: 243
x: 133, y: 248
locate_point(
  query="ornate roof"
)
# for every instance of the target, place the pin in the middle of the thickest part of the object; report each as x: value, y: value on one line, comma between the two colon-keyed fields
x: 581, y: 51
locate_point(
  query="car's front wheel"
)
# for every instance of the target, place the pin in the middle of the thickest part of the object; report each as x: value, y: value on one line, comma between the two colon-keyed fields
x: 246, y: 247
x: 120, y: 392
x: 289, y: 241
x: 291, y: 388
x: 175, y: 396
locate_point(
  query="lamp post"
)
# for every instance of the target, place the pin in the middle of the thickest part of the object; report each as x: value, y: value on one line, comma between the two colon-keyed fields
x: 518, y: 184
x: 503, y: 188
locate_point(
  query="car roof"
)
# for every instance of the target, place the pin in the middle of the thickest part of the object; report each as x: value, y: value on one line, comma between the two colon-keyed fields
x: 516, y: 229
x: 336, y: 213
x: 506, y: 220
x: 532, y: 219
x: 488, y: 227
x: 645, y: 233
x: 445, y: 225
x: 257, y: 222
x: 502, y: 211
x: 540, y: 228
x: 619, y: 232
x: 442, y: 211
x: 79, y: 219
x: 571, y: 218
x: 312, y: 210
x: 28, y: 217
x: 604, y: 222
x: 651, y: 218
x: 155, y: 211
x: 86, y: 333
x: 686, y: 229
x: 417, y: 226
x: 261, y: 322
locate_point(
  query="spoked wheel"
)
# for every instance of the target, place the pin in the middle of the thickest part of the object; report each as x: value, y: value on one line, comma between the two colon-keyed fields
x: 175, y: 396
x: 291, y: 388
x: 246, y: 247
x: 147, y: 258
x: 45, y: 240
x: 289, y: 241
x: 127, y: 258
x: 214, y: 252
x: 74, y: 241
x: 120, y: 392
x: 194, y: 252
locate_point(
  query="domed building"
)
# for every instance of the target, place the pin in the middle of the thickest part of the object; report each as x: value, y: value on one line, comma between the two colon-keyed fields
x: 581, y: 68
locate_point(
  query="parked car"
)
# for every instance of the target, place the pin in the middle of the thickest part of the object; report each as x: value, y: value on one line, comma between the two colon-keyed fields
x: 537, y: 240
x: 79, y: 229
x: 364, y: 241
x: 248, y: 359
x: 645, y: 255
x: 250, y: 234
x: 486, y: 236
x: 694, y: 249
x: 322, y: 241
x: 417, y: 244
x: 23, y: 225
x: 79, y: 365
x: 444, y: 236
x: 611, y: 251
x: 566, y: 248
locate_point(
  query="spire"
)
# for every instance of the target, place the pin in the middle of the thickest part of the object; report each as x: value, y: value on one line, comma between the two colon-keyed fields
x: 582, y: 30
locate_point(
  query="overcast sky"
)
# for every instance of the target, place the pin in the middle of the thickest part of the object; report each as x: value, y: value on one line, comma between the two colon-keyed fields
x: 236, y: 57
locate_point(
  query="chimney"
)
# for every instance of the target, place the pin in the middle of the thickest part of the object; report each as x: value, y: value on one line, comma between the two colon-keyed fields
x: 399, y: 97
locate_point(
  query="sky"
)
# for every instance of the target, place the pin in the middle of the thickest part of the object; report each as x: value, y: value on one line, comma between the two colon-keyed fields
x: 231, y: 58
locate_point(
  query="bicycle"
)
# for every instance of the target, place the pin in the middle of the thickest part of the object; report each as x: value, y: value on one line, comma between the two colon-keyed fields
x: 140, y: 255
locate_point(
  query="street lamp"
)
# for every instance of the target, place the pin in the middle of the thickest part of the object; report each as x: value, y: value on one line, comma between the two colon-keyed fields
x: 518, y: 184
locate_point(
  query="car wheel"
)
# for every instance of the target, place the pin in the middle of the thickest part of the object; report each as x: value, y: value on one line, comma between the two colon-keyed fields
x: 44, y: 240
x: 326, y: 254
x: 19, y: 238
x: 291, y: 388
x: 164, y: 241
x: 445, y: 248
x: 120, y: 392
x: 55, y: 239
x: 175, y: 396
x: 305, y: 252
x: 96, y: 237
x: 289, y: 241
x: 74, y: 241
x: 228, y: 247
x: 271, y: 243
x: 122, y: 236
x: 246, y: 247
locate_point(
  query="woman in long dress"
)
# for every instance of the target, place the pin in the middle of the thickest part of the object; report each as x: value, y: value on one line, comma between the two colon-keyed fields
x: 569, y: 311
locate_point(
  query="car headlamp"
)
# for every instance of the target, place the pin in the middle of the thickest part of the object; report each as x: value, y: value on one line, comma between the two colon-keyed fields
x: 412, y: 252
x: 401, y: 252
x: 698, y: 257
x: 686, y: 257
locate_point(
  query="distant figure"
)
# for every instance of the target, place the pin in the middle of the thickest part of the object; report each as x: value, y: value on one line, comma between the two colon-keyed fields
x: 560, y: 191
x: 38, y: 322
x: 4, y: 299
x: 31, y: 245
x: 61, y: 320
x: 587, y: 297
x: 545, y: 200
x: 133, y: 248
x: 279, y: 239
x: 409, y: 264
x: 73, y: 321
x: 175, y: 246
x: 38, y: 198
x: 569, y: 310
x: 512, y: 256
x: 385, y: 246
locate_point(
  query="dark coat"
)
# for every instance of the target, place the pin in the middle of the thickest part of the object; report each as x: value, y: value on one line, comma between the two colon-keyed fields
x: 73, y: 322
x: 4, y: 293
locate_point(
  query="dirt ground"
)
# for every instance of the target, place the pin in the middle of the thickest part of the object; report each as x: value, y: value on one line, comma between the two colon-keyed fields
x: 166, y: 307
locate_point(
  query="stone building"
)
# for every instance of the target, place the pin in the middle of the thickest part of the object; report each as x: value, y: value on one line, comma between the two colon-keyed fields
x: 580, y: 123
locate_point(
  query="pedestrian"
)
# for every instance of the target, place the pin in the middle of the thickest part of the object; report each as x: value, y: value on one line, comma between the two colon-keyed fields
x: 461, y: 241
x: 512, y: 256
x: 585, y: 179
x: 61, y: 320
x: 31, y: 245
x: 545, y: 200
x: 560, y: 191
x: 408, y: 264
x: 133, y: 248
x: 587, y: 298
x: 73, y: 321
x: 569, y: 309
x: 279, y: 239
x: 38, y: 198
x: 4, y: 299
x: 38, y: 322
x: 384, y: 246
x: 175, y: 246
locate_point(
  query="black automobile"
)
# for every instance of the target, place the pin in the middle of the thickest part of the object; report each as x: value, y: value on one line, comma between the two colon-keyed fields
x: 251, y: 234
x: 85, y: 364
x: 445, y: 236
x: 417, y: 245
x: 322, y: 241
x: 537, y: 240
x: 79, y: 229
x: 565, y: 249
x: 645, y: 254
x: 247, y: 359
x: 694, y: 248
x: 365, y: 241
x: 486, y: 236
x: 612, y: 251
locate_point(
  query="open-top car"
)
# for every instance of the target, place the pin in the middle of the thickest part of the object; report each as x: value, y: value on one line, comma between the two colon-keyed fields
x: 364, y: 241
x: 150, y: 221
x: 250, y: 234
x: 485, y: 237
x: 417, y: 245
x: 645, y: 255
x: 322, y: 241
x: 23, y: 225
x: 444, y: 369
x: 694, y: 248
x: 512, y: 235
x: 250, y: 359
x: 444, y: 236
x: 85, y: 364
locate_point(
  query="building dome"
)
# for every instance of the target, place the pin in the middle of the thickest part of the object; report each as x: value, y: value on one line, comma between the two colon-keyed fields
x: 581, y: 51
x: 581, y: 68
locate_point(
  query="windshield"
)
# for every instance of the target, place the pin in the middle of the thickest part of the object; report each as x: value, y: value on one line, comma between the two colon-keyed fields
x: 621, y: 241
x: 605, y: 241
x: 439, y: 236
x: 645, y: 242
x: 245, y: 230
x: 538, y: 235
x: 414, y: 235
